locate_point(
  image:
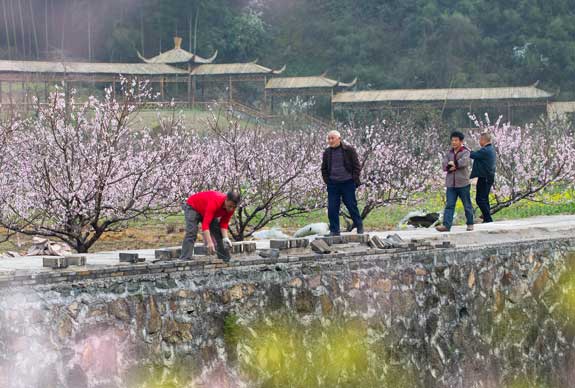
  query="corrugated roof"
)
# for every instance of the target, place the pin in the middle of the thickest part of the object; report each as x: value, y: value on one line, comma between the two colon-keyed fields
x: 454, y: 94
x: 305, y: 83
x: 178, y: 55
x: 234, y: 68
x: 88, y: 68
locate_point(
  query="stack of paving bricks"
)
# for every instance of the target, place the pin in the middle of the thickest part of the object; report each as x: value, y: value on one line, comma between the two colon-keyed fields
x: 323, y: 244
x: 56, y: 262
x: 395, y: 242
x: 346, y: 239
x: 290, y: 243
x: 241, y: 247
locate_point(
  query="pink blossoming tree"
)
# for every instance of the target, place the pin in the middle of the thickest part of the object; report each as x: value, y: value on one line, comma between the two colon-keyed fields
x: 398, y: 162
x: 81, y: 170
x: 529, y: 158
x: 276, y: 171
x: 8, y: 151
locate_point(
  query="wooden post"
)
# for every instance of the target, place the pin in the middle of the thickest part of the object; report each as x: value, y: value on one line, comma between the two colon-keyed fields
x: 0, y: 93
x: 193, y: 91
x: 176, y: 88
x: 162, y: 88
x: 46, y: 91
x: 331, y: 104
x: 114, y: 88
x: 189, y: 90
x: 264, y: 107
x: 67, y: 97
x: 27, y: 95
x: 230, y: 89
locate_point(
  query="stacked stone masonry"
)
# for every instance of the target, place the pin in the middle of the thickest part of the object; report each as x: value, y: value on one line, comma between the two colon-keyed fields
x: 443, y: 310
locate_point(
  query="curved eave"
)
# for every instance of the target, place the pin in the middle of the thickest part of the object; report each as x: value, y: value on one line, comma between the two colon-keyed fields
x: 348, y: 84
x: 279, y: 71
x: 198, y: 59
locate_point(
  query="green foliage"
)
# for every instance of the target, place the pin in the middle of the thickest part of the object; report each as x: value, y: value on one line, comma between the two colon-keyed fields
x: 282, y: 352
x: 232, y: 331
x: 387, y: 44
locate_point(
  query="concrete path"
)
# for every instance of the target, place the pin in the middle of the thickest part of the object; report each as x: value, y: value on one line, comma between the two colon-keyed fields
x: 497, y: 232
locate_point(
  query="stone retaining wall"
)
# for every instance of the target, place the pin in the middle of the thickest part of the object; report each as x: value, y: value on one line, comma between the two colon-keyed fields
x: 457, y: 317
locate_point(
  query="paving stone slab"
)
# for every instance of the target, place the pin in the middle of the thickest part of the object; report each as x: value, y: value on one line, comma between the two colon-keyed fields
x: 54, y: 262
x: 130, y: 257
x: 163, y: 254
x: 269, y: 253
x: 320, y: 246
x: 78, y: 260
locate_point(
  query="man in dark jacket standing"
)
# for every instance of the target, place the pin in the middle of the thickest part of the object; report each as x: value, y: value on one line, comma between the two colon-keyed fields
x: 340, y: 170
x: 484, y: 171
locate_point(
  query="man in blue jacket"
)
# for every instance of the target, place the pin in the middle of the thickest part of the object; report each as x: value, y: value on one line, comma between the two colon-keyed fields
x: 484, y: 170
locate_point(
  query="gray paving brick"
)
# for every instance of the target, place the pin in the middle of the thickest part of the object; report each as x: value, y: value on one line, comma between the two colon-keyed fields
x: 279, y: 244
x: 78, y: 260
x: 128, y: 257
x: 54, y: 262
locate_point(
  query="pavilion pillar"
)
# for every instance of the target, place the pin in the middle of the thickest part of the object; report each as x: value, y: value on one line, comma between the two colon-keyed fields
x: 331, y: 104
x: 193, y: 91
x: 161, y: 88
x: 176, y: 87
x: 265, y: 105
x: 230, y: 96
x: 114, y: 88
x: 46, y: 91
x: 67, y: 97
x: 10, y: 93
x: 0, y: 94
x: 189, y: 90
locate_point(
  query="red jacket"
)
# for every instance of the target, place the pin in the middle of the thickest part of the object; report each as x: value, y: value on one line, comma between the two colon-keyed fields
x: 210, y: 205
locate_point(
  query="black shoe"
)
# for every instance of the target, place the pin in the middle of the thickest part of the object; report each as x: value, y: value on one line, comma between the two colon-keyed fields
x: 333, y: 234
x: 359, y: 230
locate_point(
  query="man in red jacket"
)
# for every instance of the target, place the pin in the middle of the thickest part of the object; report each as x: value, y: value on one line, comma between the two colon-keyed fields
x: 213, y: 210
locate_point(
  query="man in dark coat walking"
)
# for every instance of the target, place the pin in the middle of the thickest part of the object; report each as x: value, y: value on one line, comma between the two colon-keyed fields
x: 484, y: 170
x: 340, y: 170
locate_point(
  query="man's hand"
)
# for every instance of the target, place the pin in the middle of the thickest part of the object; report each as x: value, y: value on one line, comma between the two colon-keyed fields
x: 211, y: 247
x: 227, y: 243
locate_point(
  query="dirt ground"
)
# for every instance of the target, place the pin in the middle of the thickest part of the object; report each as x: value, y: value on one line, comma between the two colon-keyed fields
x: 141, y: 237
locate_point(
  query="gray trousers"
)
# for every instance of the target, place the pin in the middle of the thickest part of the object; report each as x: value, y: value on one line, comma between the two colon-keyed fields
x: 192, y: 219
